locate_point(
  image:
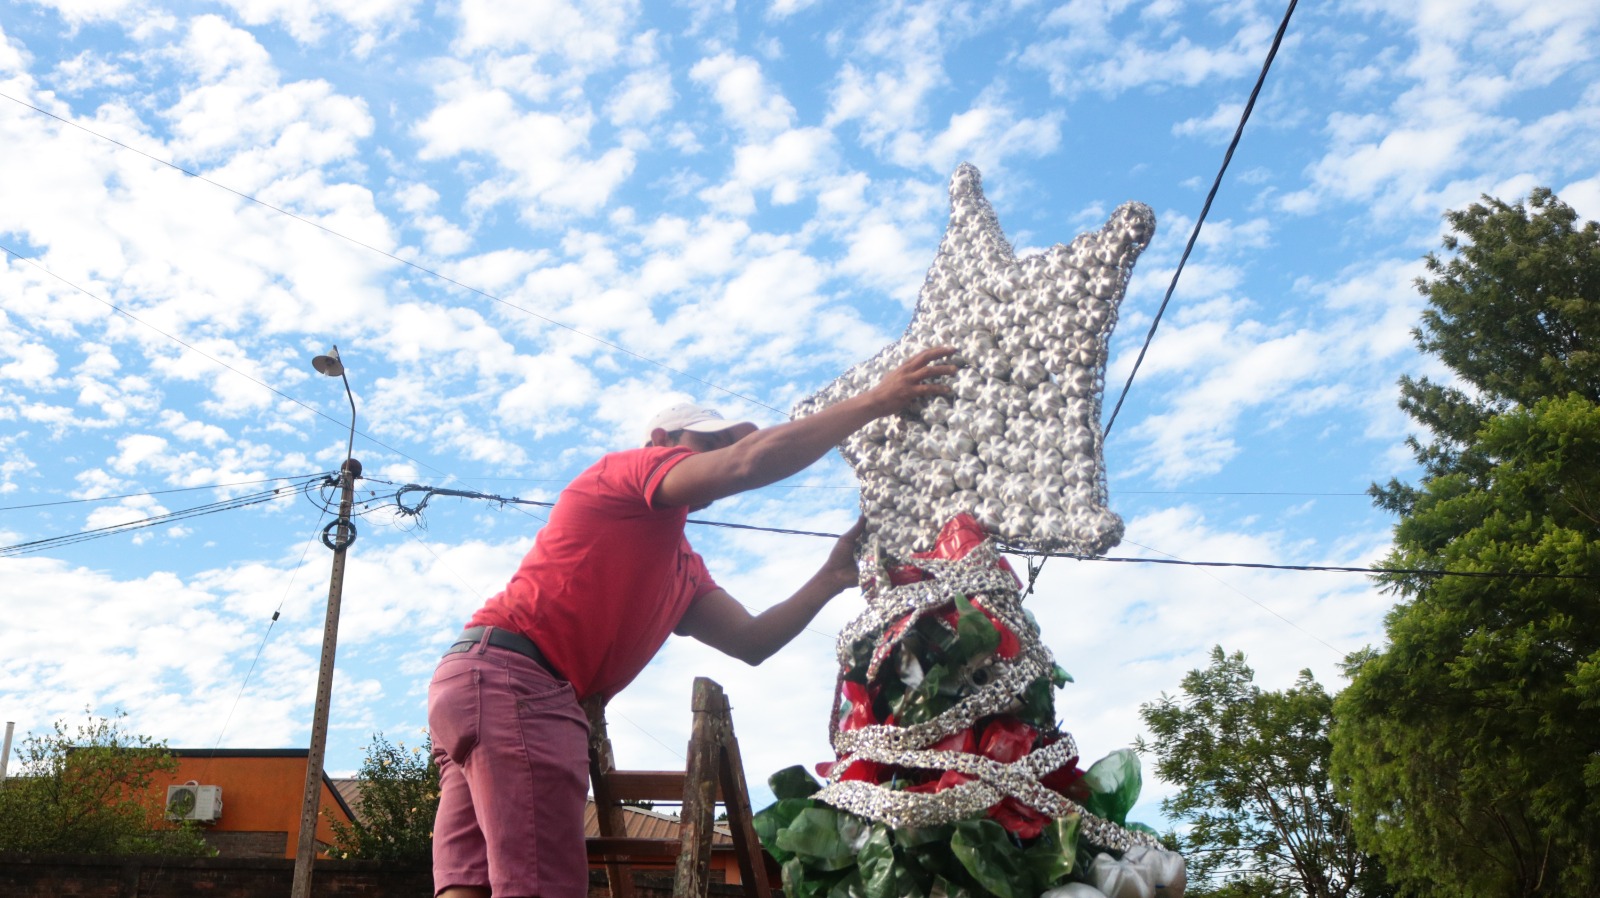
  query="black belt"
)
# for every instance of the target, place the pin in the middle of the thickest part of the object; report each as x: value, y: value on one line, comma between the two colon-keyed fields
x: 503, y: 639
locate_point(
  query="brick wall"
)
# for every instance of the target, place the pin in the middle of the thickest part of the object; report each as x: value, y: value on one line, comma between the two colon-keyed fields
x: 70, y: 876
x: 95, y: 876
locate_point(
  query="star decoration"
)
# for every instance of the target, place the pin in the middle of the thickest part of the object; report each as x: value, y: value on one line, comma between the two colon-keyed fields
x: 1018, y: 442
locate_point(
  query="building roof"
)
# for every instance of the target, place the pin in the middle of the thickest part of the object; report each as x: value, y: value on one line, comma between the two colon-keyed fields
x: 643, y: 823
x: 640, y: 823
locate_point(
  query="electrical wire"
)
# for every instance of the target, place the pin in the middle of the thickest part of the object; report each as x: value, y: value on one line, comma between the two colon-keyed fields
x: 1328, y: 568
x: 1251, y: 599
x: 263, y: 645
x: 429, y: 491
x: 200, y: 352
x: 39, y: 545
x: 394, y: 258
x: 1227, y: 157
x: 856, y: 487
x: 180, y: 489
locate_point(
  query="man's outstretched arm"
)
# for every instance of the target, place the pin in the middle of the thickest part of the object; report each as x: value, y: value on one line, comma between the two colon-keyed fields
x: 719, y: 621
x: 769, y: 455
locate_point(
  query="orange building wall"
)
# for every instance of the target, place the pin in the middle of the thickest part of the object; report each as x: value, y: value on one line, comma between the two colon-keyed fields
x: 259, y: 794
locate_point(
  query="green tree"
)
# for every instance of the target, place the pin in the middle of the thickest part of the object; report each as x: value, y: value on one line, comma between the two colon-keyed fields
x: 92, y: 791
x: 1252, y: 767
x: 399, y: 795
x: 1471, y: 742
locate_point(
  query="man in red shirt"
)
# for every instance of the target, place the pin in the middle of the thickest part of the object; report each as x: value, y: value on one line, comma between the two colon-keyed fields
x: 608, y: 579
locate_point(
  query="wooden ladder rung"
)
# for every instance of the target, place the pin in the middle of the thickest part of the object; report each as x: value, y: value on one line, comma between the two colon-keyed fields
x: 650, y: 785
x: 610, y: 849
x: 715, y: 774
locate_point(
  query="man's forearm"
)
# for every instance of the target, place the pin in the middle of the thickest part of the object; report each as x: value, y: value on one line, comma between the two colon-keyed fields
x: 768, y: 456
x: 774, y: 453
x: 777, y: 626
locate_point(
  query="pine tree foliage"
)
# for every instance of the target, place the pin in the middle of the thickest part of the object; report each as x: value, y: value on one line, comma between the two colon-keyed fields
x: 1252, y: 767
x: 399, y: 796
x: 92, y: 789
x: 1471, y: 742
x: 1513, y: 311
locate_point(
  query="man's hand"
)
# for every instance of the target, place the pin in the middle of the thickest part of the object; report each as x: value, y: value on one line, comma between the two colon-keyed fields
x: 718, y: 620
x: 909, y: 382
x: 768, y: 456
x: 840, y: 567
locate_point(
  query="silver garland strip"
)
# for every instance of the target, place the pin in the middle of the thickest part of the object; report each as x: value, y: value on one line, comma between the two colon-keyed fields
x: 900, y: 809
x: 999, y: 696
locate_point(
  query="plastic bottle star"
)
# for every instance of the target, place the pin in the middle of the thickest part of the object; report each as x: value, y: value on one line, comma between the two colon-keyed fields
x: 1033, y: 335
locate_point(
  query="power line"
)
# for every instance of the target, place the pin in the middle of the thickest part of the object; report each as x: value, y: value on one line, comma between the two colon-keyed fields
x: 1229, y: 493
x: 1328, y: 568
x: 200, y: 352
x: 180, y: 489
x: 394, y: 258
x: 267, y: 634
x: 430, y: 491
x: 51, y: 542
x: 1206, y: 208
x: 852, y: 486
x: 1252, y: 599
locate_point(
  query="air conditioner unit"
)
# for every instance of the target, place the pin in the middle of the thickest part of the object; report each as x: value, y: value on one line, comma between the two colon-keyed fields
x: 193, y: 801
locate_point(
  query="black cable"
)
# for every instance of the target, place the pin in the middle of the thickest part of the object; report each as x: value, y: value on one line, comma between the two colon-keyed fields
x: 1195, y: 234
x: 778, y: 530
x: 180, y: 489
x: 132, y: 317
x: 68, y: 539
x: 1422, y: 572
x: 392, y: 257
x: 430, y: 491
x: 1229, y: 493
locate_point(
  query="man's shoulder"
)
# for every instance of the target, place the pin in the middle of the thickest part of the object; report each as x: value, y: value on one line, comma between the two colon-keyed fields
x: 627, y: 471
x: 645, y: 458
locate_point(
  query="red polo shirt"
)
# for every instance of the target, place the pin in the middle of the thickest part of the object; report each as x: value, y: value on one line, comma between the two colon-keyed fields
x: 608, y: 578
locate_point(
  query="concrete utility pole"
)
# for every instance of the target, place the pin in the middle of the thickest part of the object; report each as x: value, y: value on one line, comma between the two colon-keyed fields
x: 5, y: 756
x: 343, y: 534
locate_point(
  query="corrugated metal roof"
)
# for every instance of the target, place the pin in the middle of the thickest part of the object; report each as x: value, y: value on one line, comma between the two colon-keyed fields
x: 642, y: 823
x: 349, y: 789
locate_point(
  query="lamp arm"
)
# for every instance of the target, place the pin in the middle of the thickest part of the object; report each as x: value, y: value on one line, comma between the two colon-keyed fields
x: 350, y: 445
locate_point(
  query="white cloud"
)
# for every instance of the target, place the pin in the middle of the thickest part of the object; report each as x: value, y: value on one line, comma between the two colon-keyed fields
x: 540, y: 155
x: 1584, y: 197
x: 987, y: 134
x: 14, y: 463
x: 1460, y: 113
x: 309, y: 20
x: 1222, y: 122
x: 1086, y: 45
x: 88, y: 71
x: 584, y: 36
x: 31, y: 364
x: 782, y: 9
x: 641, y: 98
x: 79, y: 12
x: 748, y: 101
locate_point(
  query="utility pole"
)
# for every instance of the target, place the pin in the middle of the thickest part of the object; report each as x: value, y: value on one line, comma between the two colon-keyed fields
x: 5, y: 755
x: 337, y: 536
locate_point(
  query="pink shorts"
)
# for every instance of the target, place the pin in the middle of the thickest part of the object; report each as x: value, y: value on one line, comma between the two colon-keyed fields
x: 511, y: 743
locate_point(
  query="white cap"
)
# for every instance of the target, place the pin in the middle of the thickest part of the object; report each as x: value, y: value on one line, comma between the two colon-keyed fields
x: 688, y: 416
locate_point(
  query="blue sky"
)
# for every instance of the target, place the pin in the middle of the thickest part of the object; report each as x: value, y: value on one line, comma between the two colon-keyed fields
x: 748, y: 194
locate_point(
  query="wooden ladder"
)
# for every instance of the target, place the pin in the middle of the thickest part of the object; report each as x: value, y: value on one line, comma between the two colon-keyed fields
x: 714, y: 772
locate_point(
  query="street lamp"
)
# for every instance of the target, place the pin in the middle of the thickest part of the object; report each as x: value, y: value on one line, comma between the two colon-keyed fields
x: 337, y: 536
